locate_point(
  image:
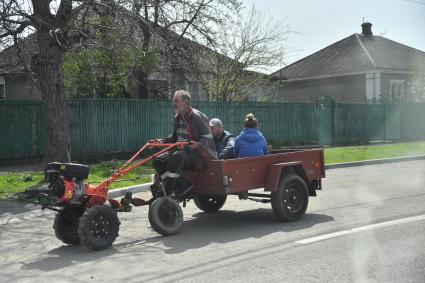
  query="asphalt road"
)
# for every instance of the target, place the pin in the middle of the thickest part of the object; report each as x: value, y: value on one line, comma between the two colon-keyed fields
x: 367, y: 225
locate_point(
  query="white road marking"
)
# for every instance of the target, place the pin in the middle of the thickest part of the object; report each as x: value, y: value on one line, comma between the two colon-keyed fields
x: 360, y: 229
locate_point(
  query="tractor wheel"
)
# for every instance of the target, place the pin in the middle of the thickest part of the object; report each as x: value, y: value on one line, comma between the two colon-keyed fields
x: 210, y: 203
x: 290, y: 200
x: 98, y: 227
x: 66, y: 225
x: 165, y: 216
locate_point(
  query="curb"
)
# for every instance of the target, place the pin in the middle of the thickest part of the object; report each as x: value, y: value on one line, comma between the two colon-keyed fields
x: 134, y: 189
x: 143, y: 187
x: 374, y: 161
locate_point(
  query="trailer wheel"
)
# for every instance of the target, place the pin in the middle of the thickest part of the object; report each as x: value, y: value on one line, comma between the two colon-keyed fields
x: 165, y: 216
x: 66, y: 225
x: 98, y: 227
x: 210, y: 203
x: 290, y: 200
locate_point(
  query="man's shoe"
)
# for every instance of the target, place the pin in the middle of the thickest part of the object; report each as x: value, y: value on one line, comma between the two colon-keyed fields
x: 156, y: 191
x: 126, y: 201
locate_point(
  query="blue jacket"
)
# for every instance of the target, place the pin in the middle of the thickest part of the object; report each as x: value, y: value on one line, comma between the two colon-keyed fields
x: 250, y: 142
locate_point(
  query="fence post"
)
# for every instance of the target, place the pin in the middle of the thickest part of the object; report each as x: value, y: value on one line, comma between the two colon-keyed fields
x: 326, y: 115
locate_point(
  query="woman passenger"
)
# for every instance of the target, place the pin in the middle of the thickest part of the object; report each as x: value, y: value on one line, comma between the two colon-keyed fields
x: 250, y: 141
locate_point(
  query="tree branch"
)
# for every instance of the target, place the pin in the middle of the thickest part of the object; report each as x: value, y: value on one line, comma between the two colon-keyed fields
x: 17, y: 31
x: 64, y: 11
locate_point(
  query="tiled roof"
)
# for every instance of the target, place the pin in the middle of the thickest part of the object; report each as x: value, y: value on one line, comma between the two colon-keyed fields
x: 355, y: 54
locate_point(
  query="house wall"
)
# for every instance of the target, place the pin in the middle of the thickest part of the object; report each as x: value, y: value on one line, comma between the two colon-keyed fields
x: 20, y: 87
x: 341, y: 89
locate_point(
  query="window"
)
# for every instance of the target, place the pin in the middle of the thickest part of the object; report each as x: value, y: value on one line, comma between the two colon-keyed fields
x: 2, y: 88
x: 396, y: 90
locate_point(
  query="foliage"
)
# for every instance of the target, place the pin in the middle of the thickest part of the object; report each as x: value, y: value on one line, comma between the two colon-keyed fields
x: 106, y: 67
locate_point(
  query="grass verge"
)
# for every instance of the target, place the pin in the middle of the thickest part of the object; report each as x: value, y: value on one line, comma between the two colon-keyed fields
x: 358, y: 153
x: 12, y: 183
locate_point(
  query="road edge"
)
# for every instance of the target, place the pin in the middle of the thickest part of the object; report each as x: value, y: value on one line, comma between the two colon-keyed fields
x: 143, y: 187
x: 134, y: 189
x: 374, y: 161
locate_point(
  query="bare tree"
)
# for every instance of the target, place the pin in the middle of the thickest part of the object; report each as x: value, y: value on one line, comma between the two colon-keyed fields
x: 246, y: 49
x: 55, y: 26
x: 50, y: 21
x: 59, y: 24
x: 175, y: 26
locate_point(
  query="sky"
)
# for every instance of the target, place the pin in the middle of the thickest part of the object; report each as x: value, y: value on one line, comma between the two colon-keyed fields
x: 316, y: 24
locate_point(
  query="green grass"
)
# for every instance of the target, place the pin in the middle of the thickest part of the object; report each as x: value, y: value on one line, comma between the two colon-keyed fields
x: 101, y: 171
x: 17, y: 182
x: 357, y: 153
x: 11, y: 183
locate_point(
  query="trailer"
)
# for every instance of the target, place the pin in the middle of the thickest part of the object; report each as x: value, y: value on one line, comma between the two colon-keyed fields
x: 86, y: 215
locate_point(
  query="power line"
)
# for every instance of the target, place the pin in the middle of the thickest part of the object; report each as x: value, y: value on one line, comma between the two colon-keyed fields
x: 417, y: 2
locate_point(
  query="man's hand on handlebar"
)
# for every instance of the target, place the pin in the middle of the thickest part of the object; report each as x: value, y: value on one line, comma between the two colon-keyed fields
x: 194, y: 145
x: 157, y: 141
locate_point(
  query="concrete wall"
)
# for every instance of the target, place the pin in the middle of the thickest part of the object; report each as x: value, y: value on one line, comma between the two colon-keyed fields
x: 341, y: 89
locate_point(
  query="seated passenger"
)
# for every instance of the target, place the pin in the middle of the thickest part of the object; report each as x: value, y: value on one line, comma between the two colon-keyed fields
x: 223, y: 140
x: 251, y: 141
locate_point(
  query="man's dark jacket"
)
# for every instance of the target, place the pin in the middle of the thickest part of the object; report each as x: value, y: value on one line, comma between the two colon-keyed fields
x: 224, y: 145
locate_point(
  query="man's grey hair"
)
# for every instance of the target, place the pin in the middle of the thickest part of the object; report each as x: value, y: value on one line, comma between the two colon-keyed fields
x: 215, y: 122
x: 185, y: 95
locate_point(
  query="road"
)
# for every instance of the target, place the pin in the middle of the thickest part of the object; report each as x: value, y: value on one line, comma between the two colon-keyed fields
x: 366, y: 225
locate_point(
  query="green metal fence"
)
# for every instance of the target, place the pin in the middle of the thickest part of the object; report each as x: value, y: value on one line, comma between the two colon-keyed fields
x: 412, y: 117
x: 105, y: 126
x: 100, y: 126
x: 281, y: 123
x: 349, y: 122
x: 21, y: 129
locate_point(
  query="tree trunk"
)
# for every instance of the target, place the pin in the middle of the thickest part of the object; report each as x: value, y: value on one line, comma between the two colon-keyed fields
x: 143, y: 77
x: 48, y: 68
x: 143, y: 86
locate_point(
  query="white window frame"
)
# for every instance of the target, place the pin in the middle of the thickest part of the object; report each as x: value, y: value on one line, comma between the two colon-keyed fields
x: 397, y: 82
x: 373, y: 86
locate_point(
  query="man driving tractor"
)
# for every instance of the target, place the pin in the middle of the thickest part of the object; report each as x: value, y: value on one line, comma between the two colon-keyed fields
x: 189, y: 125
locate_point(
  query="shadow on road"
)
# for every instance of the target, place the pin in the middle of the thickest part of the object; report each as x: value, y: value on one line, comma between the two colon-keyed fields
x: 228, y: 226
x: 65, y: 256
x: 199, y: 231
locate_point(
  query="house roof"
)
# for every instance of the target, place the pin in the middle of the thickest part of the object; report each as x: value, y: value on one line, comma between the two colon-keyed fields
x: 192, y: 58
x: 355, y: 54
x: 12, y: 59
x: 191, y: 55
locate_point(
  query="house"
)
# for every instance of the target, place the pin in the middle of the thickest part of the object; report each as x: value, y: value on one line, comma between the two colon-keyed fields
x: 15, y: 79
x: 16, y: 82
x: 190, y: 67
x: 359, y: 68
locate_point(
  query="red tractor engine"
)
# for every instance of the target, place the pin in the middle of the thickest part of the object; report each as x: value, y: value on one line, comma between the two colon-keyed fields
x: 83, y: 216
x: 66, y: 183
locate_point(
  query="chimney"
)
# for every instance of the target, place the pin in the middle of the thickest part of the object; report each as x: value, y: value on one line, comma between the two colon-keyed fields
x: 367, y: 29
